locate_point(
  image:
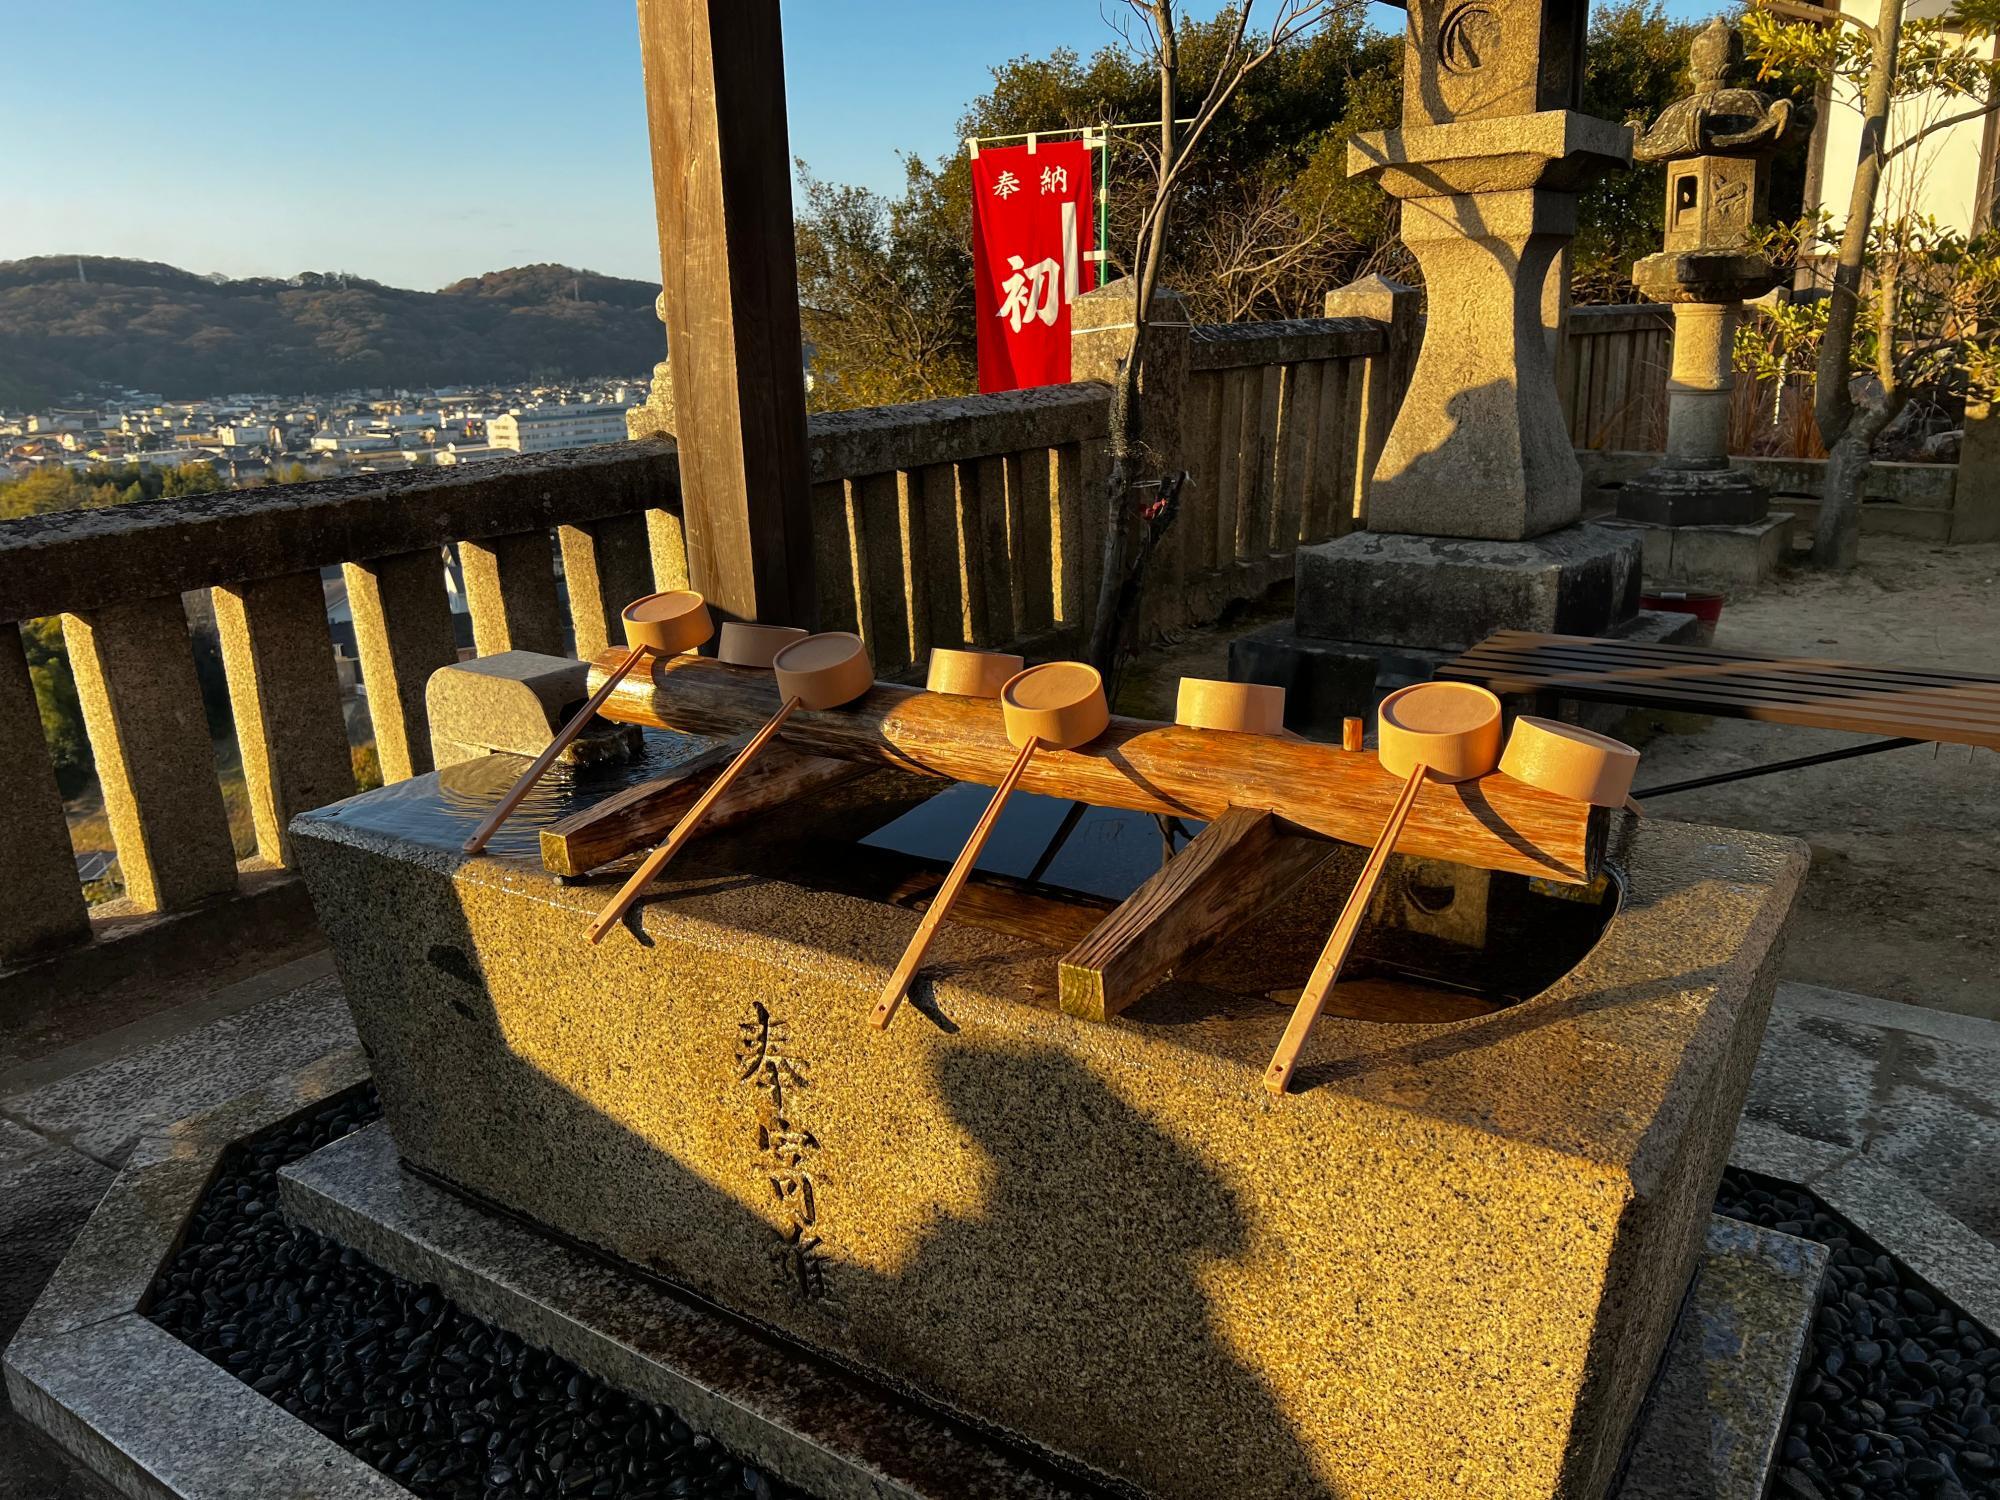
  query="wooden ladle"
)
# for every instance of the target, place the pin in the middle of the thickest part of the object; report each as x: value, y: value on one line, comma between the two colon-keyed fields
x: 1441, y: 731
x: 814, y: 671
x: 1572, y: 762
x: 1058, y: 706
x: 659, y: 624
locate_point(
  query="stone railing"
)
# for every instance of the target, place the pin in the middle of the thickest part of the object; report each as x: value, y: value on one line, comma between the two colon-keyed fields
x: 978, y: 521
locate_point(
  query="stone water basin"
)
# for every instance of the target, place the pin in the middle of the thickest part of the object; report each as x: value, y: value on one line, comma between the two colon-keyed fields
x: 1446, y: 1264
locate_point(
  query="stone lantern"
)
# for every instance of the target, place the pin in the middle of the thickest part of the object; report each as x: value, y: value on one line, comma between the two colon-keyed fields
x: 1717, y: 144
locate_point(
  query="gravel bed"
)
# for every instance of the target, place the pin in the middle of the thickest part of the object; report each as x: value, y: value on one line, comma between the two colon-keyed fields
x: 1901, y: 1395
x: 1901, y: 1392
x: 447, y: 1406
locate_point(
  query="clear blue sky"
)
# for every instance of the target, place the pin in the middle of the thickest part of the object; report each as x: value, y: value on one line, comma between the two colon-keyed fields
x: 424, y: 140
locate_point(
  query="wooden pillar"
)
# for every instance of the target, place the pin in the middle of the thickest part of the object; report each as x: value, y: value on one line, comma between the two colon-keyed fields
x: 715, y: 102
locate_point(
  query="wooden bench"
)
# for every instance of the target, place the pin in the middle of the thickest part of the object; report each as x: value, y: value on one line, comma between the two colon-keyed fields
x: 1913, y: 705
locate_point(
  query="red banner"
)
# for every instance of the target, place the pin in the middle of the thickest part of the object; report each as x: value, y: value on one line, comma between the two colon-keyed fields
x: 1032, y: 231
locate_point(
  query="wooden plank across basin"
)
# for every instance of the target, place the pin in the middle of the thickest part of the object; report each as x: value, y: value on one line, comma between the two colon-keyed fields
x: 1495, y: 823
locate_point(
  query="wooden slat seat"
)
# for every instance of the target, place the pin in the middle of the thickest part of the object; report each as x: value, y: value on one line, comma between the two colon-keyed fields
x: 1925, y: 703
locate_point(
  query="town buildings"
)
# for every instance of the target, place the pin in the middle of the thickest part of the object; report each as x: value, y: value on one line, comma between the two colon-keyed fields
x: 247, y: 436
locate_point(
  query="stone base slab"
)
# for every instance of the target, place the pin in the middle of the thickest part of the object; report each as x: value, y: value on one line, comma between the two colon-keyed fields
x: 1672, y: 496
x: 1739, y: 555
x: 1711, y: 1425
x: 146, y: 1412
x: 831, y: 1434
x: 1448, y: 594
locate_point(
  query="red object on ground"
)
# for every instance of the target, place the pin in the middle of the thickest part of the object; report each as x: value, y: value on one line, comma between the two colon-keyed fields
x: 1703, y: 604
x: 1032, y: 227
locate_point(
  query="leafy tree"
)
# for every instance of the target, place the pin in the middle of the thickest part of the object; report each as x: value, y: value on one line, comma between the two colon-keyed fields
x: 1911, y: 304
x: 53, y: 489
x: 1637, y: 66
x: 885, y: 292
x: 1265, y: 227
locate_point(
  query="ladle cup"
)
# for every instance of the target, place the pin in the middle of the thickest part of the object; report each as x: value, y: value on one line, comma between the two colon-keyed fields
x: 743, y: 644
x: 660, y: 624
x: 814, y: 671
x: 1058, y: 706
x: 1443, y: 731
x: 1576, y: 763
x: 1241, y: 707
x: 971, y: 674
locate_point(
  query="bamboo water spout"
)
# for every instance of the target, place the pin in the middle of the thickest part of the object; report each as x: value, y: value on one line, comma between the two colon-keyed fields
x: 1494, y: 822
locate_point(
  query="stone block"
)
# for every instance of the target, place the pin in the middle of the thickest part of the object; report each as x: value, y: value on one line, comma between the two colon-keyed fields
x: 1446, y: 1265
x: 47, y: 1192
x: 164, y: 1422
x: 1323, y: 681
x: 1448, y: 594
x: 514, y: 701
x: 1739, y: 556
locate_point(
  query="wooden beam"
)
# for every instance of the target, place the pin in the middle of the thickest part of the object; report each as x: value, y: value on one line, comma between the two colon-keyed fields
x: 722, y: 188
x: 1234, y: 867
x: 1495, y: 823
x: 644, y: 814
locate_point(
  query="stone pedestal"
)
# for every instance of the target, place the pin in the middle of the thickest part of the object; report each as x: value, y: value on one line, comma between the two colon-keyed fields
x: 1480, y: 447
x: 1694, y: 485
x: 1710, y: 556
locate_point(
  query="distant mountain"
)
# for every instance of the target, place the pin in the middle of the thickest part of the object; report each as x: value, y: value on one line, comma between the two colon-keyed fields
x: 157, y: 328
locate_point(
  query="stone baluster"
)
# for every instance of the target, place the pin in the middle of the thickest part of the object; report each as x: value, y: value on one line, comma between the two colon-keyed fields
x: 403, y: 632
x: 957, y: 585
x: 1038, y: 502
x: 41, y: 906
x: 1383, y: 377
x: 893, y: 568
x: 510, y: 588
x: 142, y: 705
x: 607, y: 564
x: 666, y: 536
x: 999, y: 546
x: 285, y: 696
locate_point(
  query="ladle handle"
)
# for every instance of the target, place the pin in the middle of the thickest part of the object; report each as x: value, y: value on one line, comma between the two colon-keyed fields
x: 490, y: 825
x: 1313, y: 999
x: 684, y: 830
x: 906, y: 970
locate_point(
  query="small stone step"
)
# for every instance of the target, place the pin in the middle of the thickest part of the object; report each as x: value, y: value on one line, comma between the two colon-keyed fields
x: 1712, y: 1426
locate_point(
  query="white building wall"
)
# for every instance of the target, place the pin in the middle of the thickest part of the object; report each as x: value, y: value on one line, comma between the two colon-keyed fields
x: 1939, y: 179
